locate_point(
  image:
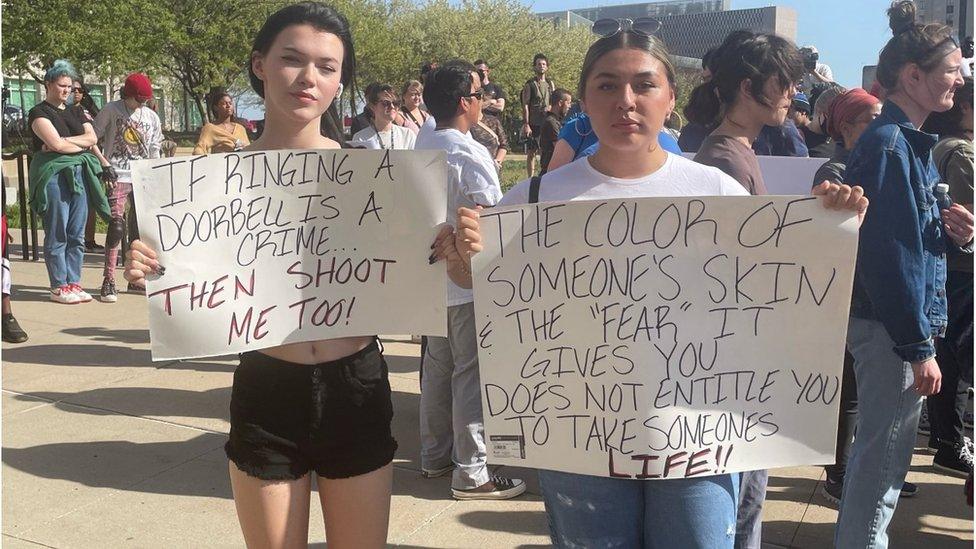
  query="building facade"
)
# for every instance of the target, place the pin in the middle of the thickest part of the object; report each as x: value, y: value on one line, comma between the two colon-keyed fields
x: 691, y: 33
x: 646, y: 9
x: 958, y: 14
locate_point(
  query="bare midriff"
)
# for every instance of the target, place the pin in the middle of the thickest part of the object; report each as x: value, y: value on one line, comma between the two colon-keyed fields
x: 317, y: 352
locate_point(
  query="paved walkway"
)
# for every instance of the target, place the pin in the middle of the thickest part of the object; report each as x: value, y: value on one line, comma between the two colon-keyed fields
x: 103, y: 448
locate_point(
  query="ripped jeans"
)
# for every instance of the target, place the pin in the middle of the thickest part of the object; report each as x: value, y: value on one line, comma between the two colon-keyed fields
x: 588, y: 511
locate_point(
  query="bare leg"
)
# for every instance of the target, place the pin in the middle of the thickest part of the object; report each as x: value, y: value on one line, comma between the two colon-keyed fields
x: 357, y: 509
x: 6, y: 305
x: 273, y: 514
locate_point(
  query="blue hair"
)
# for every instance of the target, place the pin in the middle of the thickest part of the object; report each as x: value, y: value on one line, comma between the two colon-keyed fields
x: 59, y: 68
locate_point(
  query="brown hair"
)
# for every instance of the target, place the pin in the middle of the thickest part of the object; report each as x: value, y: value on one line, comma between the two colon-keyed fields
x: 923, y: 45
x: 624, y: 40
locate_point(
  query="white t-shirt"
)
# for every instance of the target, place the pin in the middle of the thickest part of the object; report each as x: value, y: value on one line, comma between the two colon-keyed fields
x: 128, y: 136
x: 471, y: 180
x: 579, y: 181
x: 400, y: 137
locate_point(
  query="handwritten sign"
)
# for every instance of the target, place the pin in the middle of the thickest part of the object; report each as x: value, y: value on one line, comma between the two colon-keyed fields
x: 272, y: 247
x: 663, y: 337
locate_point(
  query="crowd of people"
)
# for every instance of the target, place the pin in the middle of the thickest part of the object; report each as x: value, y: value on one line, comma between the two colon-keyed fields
x: 900, y: 155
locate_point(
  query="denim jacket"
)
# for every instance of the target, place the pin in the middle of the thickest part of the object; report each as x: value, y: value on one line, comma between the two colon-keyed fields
x: 901, y: 267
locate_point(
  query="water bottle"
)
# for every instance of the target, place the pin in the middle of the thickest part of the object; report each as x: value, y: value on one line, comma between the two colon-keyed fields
x: 942, y: 197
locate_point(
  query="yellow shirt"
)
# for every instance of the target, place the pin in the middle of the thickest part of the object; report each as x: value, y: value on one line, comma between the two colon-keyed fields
x: 215, y: 139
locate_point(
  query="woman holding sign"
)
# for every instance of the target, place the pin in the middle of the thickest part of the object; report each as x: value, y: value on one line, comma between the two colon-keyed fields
x: 319, y: 407
x: 627, y: 89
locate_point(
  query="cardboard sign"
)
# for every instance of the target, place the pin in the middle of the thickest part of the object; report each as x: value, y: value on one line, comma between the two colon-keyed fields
x: 663, y: 337
x: 272, y: 247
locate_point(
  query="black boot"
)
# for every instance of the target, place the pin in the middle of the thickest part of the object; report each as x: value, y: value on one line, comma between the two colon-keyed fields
x: 12, y: 332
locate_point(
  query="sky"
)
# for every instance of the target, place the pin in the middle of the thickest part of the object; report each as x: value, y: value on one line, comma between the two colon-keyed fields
x: 847, y: 33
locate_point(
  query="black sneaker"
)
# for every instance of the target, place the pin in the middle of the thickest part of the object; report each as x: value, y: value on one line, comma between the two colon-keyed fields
x: 956, y: 460
x: 12, y: 332
x: 831, y: 489
x: 495, y: 488
x: 908, y: 489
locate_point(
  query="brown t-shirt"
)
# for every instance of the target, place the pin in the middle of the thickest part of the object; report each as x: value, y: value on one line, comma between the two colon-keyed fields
x: 734, y: 158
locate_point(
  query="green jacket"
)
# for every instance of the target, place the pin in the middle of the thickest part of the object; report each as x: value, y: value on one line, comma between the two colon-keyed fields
x: 45, y: 164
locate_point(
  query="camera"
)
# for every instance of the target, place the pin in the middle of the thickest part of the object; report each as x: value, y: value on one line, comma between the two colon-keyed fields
x: 967, y: 48
x: 810, y: 58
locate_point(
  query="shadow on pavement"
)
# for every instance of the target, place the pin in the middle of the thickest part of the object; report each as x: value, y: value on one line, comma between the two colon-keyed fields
x: 78, y: 355
x: 132, y: 337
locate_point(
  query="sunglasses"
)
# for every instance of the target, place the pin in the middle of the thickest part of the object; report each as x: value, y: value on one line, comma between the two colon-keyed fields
x: 77, y: 90
x: 642, y: 25
x: 479, y: 95
x: 386, y: 103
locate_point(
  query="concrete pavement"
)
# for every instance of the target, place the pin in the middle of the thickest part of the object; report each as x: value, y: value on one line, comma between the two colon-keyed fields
x: 103, y: 448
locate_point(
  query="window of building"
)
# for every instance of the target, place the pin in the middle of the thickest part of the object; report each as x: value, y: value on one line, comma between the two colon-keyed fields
x: 949, y: 8
x: 23, y: 93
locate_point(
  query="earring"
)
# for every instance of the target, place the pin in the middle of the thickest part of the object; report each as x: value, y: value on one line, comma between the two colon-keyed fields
x: 338, y: 92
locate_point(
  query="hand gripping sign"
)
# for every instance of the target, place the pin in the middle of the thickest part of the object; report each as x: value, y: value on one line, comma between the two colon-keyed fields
x: 271, y: 247
x: 663, y: 337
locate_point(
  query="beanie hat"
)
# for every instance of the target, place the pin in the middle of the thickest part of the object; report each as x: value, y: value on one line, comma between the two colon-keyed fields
x: 137, y: 86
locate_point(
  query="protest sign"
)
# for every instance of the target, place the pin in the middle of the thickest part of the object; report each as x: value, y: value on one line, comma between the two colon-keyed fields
x: 271, y: 247
x: 663, y: 337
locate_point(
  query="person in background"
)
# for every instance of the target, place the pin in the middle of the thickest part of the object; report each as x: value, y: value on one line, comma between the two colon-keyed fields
x: 80, y: 96
x: 782, y: 140
x: 848, y: 115
x: 535, y: 97
x: 953, y: 158
x: 129, y: 130
x: 452, y: 437
x: 490, y: 133
x: 815, y: 134
x: 752, y: 89
x: 800, y: 111
x: 815, y: 72
x: 559, y: 104
x: 411, y: 101
x: 222, y: 134
x: 64, y: 182
x: 11, y: 330
x: 693, y: 133
x: 362, y: 119
x: 898, y: 306
x: 495, y: 96
x: 382, y: 133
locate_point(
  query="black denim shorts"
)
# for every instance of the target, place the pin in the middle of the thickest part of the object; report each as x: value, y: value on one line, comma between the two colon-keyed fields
x: 333, y: 418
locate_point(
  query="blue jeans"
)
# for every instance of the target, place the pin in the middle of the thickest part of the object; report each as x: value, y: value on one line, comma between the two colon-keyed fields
x: 64, y: 231
x: 597, y: 512
x: 888, y: 410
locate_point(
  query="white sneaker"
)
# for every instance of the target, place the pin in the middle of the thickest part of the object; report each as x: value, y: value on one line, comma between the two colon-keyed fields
x: 83, y: 296
x: 64, y: 295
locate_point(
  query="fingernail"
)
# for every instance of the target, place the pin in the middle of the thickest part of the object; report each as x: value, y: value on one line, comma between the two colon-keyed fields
x: 160, y: 270
x: 432, y: 245
x: 431, y: 260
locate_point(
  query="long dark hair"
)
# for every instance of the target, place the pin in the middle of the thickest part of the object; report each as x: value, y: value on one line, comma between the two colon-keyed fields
x: 743, y: 56
x: 924, y: 45
x: 322, y: 17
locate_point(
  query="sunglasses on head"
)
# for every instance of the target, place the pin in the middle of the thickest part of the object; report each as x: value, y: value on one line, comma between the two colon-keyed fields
x: 642, y: 25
